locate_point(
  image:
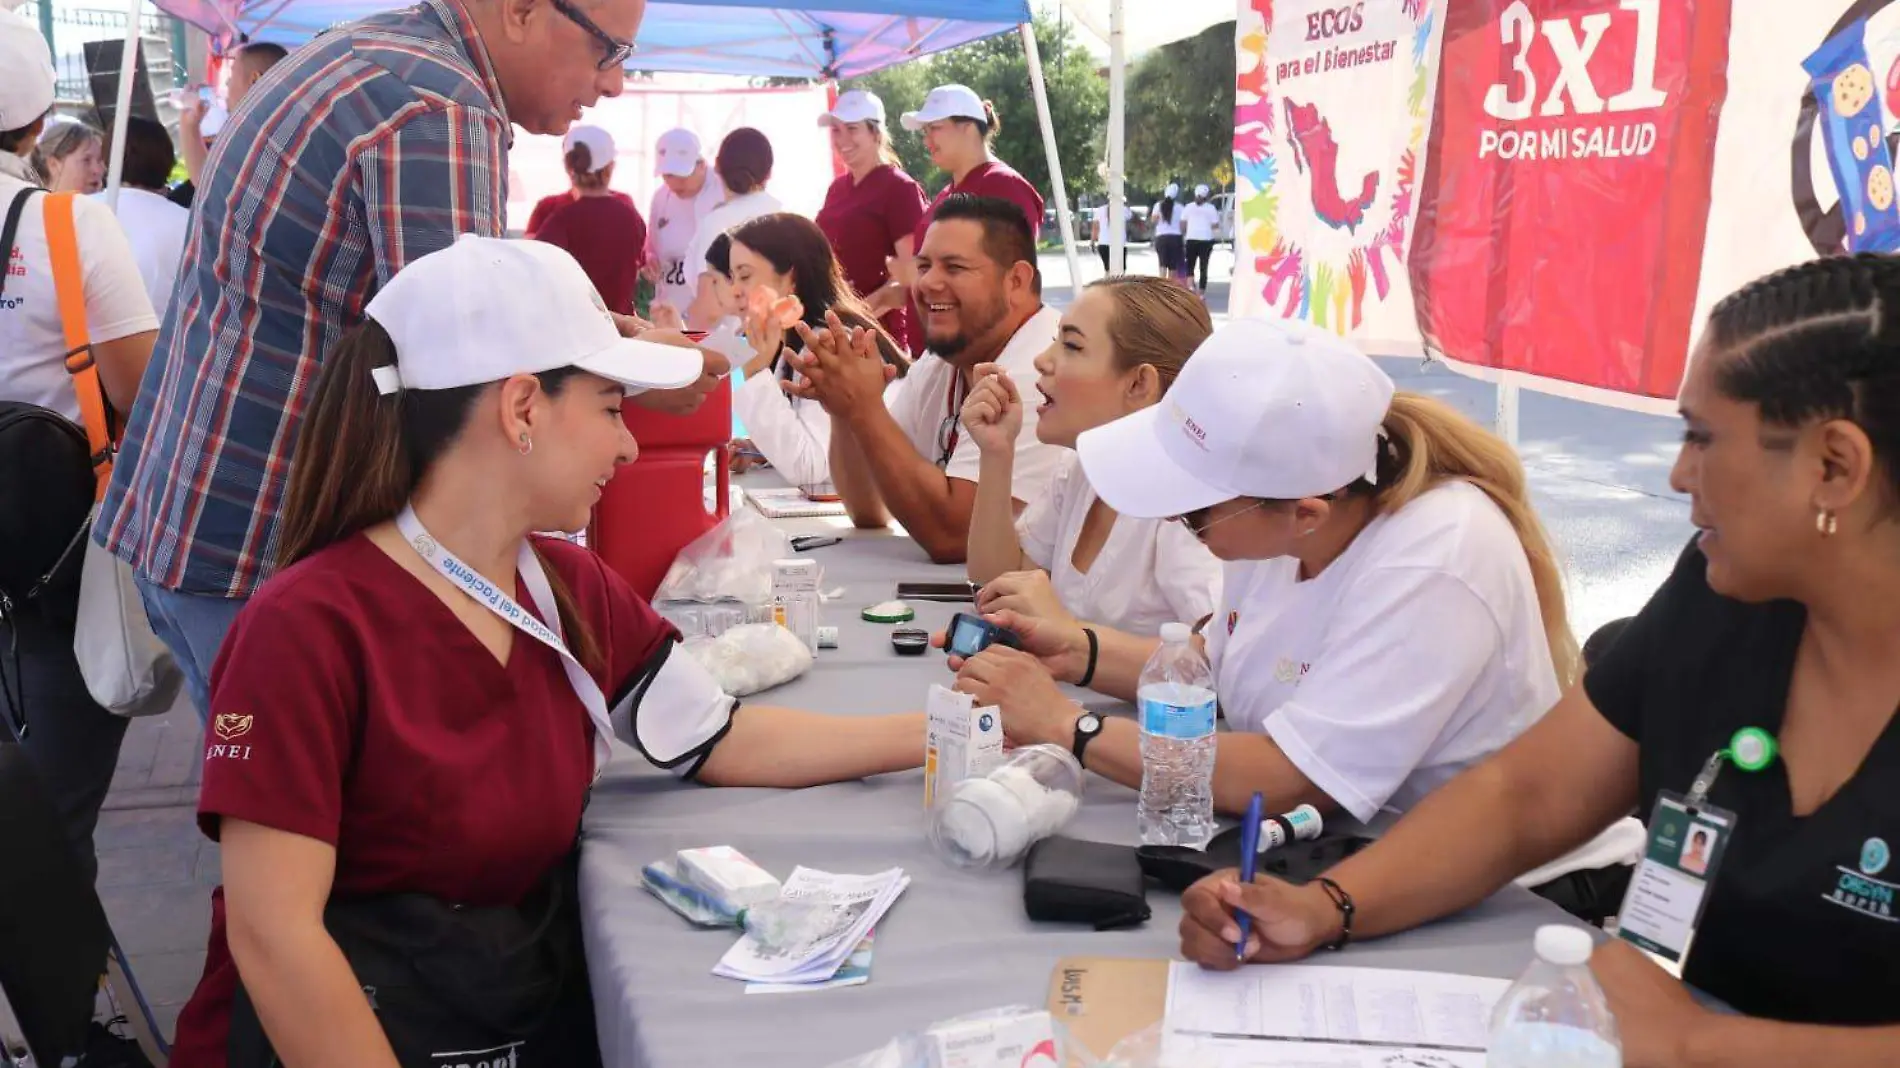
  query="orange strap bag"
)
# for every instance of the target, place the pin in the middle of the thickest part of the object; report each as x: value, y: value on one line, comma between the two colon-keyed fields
x: 69, y: 282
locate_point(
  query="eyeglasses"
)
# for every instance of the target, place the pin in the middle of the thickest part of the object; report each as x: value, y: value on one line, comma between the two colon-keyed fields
x: 948, y: 433
x: 1198, y: 523
x: 618, y: 51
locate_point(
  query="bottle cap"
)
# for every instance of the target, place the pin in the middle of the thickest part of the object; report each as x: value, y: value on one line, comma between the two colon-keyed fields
x: 889, y: 612
x: 1564, y: 946
x: 1176, y: 633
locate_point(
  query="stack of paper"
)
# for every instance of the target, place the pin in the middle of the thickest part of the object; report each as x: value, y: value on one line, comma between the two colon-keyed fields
x: 788, y: 503
x: 851, y: 906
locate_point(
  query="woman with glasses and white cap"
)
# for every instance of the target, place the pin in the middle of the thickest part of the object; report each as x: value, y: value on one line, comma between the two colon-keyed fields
x: 1391, y: 610
x: 406, y: 719
x: 959, y: 127
x: 871, y: 211
x: 596, y: 224
x: 688, y: 192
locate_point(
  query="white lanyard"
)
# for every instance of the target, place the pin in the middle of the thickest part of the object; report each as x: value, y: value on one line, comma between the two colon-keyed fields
x: 485, y: 593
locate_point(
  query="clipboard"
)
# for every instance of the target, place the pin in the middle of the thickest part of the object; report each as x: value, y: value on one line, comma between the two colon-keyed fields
x: 1102, y: 1000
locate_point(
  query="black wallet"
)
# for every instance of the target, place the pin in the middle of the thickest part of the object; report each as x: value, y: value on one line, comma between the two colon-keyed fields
x: 1070, y: 881
x: 1177, y: 867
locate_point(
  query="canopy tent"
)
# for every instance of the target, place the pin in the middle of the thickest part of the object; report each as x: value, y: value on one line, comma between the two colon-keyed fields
x: 819, y: 39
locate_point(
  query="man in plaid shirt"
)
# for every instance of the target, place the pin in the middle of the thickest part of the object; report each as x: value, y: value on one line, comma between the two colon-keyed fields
x: 375, y: 144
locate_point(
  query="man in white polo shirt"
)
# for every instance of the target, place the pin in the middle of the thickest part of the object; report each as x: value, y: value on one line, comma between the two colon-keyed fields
x: 690, y: 190
x: 979, y: 299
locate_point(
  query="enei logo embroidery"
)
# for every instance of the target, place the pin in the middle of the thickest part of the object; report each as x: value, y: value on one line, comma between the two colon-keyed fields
x: 228, y: 727
x: 1860, y: 891
x: 1288, y: 670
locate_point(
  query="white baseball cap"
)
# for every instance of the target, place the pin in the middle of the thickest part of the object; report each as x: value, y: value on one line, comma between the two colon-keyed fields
x: 600, y: 145
x: 1272, y: 410
x: 26, y: 73
x: 1200, y: 190
x: 678, y: 154
x: 946, y: 102
x: 1172, y: 191
x: 858, y: 105
x: 486, y: 308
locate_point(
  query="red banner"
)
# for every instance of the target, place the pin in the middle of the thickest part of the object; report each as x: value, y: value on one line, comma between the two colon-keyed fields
x: 1560, y: 230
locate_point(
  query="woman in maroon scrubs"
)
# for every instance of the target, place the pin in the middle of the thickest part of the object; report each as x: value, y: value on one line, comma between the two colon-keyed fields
x: 412, y: 711
x: 872, y: 211
x: 958, y: 127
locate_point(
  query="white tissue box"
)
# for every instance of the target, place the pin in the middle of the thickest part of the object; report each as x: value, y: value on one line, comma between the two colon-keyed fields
x: 960, y: 741
x: 1026, y: 1040
x: 728, y: 876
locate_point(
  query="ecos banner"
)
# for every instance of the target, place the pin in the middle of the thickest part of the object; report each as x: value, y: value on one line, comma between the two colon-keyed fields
x: 1334, y: 109
x: 1595, y: 174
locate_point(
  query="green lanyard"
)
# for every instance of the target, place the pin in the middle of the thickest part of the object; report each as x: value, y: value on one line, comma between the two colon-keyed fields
x: 1751, y: 749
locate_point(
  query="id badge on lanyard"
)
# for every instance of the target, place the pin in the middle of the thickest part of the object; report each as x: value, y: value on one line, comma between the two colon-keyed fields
x: 1687, y: 838
x: 485, y: 593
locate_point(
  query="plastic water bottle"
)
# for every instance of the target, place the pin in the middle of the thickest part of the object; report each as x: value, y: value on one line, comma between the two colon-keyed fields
x: 1556, y: 1016
x: 1176, y: 699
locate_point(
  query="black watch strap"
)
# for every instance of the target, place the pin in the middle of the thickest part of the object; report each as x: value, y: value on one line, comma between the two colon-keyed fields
x: 1084, y: 737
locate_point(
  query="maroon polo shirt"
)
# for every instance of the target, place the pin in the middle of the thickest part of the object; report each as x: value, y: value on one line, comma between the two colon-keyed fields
x: 991, y: 179
x: 351, y: 705
x: 864, y: 221
x: 608, y: 235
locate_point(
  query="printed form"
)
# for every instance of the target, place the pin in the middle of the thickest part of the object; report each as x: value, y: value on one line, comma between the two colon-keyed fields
x: 1324, y: 1017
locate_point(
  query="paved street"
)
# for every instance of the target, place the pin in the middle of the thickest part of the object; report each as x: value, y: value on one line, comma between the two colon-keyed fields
x: 1600, y: 478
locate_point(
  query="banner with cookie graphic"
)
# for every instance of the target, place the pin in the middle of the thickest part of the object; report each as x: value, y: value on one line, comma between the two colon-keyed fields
x: 1594, y: 176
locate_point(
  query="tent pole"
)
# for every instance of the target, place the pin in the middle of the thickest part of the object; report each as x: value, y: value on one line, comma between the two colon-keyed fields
x: 1506, y: 425
x: 1061, y: 189
x: 1117, y: 128
x: 128, y: 67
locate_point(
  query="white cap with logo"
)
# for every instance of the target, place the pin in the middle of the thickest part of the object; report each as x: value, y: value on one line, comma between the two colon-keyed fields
x: 600, y: 145
x: 1200, y: 191
x: 487, y: 308
x: 26, y: 73
x: 858, y: 105
x: 678, y: 153
x: 946, y: 102
x: 1272, y: 410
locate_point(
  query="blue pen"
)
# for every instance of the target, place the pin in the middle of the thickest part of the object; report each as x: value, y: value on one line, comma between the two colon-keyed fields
x: 1249, y: 861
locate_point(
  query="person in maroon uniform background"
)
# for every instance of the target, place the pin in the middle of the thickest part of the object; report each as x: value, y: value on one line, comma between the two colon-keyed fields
x: 958, y: 127
x: 871, y: 212
x: 599, y: 226
x: 389, y: 728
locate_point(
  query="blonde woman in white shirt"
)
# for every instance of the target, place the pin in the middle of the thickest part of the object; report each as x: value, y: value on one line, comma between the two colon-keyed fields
x: 1070, y: 555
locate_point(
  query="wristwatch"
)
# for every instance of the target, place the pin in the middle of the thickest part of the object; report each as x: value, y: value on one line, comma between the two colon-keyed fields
x: 1087, y: 726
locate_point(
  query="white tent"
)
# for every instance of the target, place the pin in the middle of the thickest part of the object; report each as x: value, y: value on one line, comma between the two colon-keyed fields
x: 1139, y: 26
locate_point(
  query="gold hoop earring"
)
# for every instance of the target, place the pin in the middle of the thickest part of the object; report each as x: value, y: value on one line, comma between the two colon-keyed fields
x: 527, y: 445
x: 1825, y: 524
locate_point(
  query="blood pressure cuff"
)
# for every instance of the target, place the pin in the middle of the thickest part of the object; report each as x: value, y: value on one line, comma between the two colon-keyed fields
x: 1178, y: 867
x: 672, y: 711
x: 1070, y: 881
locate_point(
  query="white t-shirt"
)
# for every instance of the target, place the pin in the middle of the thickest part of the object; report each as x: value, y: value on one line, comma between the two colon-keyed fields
x: 793, y: 434
x: 931, y: 395
x: 718, y: 221
x: 1165, y: 227
x: 156, y: 228
x: 1148, y: 572
x: 1416, y: 653
x: 672, y: 221
x: 32, y: 343
x: 1199, y: 222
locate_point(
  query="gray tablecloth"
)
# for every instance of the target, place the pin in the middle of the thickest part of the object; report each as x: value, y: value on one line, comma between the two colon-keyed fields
x: 956, y: 942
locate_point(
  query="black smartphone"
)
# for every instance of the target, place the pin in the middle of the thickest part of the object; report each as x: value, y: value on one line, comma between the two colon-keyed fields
x: 970, y: 635
x: 948, y: 592
x: 909, y: 641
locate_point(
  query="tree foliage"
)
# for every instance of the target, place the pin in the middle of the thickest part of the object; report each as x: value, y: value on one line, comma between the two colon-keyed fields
x: 1181, y: 111
x: 997, y: 70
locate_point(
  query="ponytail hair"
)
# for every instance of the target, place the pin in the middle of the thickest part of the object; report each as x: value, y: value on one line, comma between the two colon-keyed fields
x: 992, y: 124
x: 390, y: 442
x: 583, y: 173
x: 1431, y: 443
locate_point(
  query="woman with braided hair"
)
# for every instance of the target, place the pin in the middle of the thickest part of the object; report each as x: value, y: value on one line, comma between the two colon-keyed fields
x: 1783, y: 616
